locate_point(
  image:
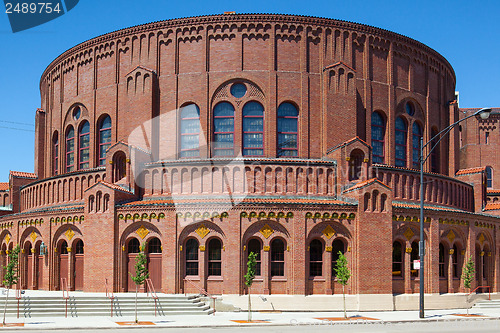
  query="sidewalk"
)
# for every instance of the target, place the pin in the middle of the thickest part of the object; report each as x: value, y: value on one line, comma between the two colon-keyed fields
x: 235, y: 319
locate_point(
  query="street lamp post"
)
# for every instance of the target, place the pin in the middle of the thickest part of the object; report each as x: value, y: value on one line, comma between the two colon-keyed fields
x: 484, y: 114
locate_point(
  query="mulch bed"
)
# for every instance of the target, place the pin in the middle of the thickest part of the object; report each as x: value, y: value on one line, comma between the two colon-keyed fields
x: 250, y: 322
x: 348, y: 318
x: 131, y: 323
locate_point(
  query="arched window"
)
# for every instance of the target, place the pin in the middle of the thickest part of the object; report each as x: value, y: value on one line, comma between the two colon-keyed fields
x: 84, y: 146
x: 401, y: 136
x: 288, y: 117
x: 316, y: 258
x: 455, y: 262
x: 223, y: 144
x: 70, y: 149
x: 489, y: 177
x: 55, y: 153
x: 485, y: 264
x: 64, y: 248
x: 79, y: 247
x: 192, y: 257
x: 417, y: 134
x: 253, y: 129
x: 414, y: 256
x: 442, y: 261
x: 435, y: 153
x: 190, y: 131
x: 397, y: 259
x: 104, y: 139
x: 133, y: 246
x: 355, y: 163
x: 277, y: 258
x: 378, y: 138
x: 154, y: 245
x: 337, y: 246
x: 214, y: 257
x: 255, y: 246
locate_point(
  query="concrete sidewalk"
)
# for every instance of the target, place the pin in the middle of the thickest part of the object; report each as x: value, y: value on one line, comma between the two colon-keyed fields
x: 235, y: 319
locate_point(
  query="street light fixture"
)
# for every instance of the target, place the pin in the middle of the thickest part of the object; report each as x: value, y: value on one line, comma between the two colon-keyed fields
x: 484, y: 113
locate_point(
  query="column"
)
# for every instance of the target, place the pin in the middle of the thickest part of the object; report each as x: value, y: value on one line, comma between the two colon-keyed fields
x: 450, y: 270
x: 407, y: 269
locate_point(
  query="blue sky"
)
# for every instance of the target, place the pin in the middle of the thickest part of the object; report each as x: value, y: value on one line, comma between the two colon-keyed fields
x: 464, y: 32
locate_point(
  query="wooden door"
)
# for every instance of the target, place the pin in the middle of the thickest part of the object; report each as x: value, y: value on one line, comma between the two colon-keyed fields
x: 154, y: 268
x: 39, y: 272
x: 63, y: 268
x: 131, y: 270
x: 79, y: 271
x: 29, y: 270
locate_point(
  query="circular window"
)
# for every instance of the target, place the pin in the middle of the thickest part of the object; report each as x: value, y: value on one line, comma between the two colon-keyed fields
x: 76, y: 113
x: 238, y: 90
x: 410, y: 109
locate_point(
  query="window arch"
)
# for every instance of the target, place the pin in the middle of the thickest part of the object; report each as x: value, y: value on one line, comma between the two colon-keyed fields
x: 133, y: 246
x: 214, y: 257
x: 70, y: 149
x: 442, y: 261
x: 436, y: 152
x: 378, y: 138
x: 192, y: 247
x: 104, y: 138
x: 55, y: 153
x: 456, y: 273
x: 84, y: 146
x: 63, y: 247
x: 337, y: 246
x: 397, y: 259
x: 316, y: 258
x: 401, y: 138
x: 255, y: 246
x: 154, y: 245
x: 355, y: 164
x: 288, y: 117
x: 277, y: 257
x: 190, y: 131
x: 79, y: 247
x: 223, y: 139
x: 489, y: 177
x: 253, y: 129
x: 417, y: 134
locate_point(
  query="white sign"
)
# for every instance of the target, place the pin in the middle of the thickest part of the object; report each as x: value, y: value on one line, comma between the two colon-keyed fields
x: 416, y: 264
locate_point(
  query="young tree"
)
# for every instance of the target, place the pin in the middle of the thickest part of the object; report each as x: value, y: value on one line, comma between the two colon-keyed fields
x: 342, y: 274
x: 249, y: 276
x: 11, y: 276
x: 141, y: 273
x: 468, y: 277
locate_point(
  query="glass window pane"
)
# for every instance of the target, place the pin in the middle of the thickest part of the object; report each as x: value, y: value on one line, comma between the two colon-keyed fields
x: 287, y: 110
x: 253, y: 109
x: 224, y: 109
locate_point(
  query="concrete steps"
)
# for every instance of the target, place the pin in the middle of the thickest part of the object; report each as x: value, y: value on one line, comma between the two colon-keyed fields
x: 493, y: 304
x: 78, y: 306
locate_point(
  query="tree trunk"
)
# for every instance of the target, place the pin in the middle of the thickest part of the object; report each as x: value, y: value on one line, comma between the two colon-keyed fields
x: 136, y: 291
x: 5, y: 307
x: 249, y: 306
x: 343, y: 294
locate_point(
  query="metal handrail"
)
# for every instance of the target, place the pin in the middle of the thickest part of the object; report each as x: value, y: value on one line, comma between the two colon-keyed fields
x: 489, y: 291
x: 64, y: 288
x: 109, y: 295
x: 151, y: 290
x: 18, y: 297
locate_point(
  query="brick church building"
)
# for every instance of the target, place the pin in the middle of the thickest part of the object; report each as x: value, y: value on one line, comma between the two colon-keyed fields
x: 290, y: 136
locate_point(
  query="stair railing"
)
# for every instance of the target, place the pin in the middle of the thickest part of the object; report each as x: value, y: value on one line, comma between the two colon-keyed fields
x: 151, y: 290
x: 64, y: 288
x: 18, y: 296
x: 202, y: 291
x: 109, y: 295
x: 489, y: 291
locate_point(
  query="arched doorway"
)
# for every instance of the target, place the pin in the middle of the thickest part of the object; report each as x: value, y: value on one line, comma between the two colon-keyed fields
x: 63, y: 262
x: 79, y: 265
x: 28, y: 266
x: 132, y: 250
x: 38, y: 257
x: 154, y: 262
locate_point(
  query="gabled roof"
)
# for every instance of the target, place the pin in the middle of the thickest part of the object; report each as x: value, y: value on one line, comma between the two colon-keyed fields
x: 141, y: 67
x: 4, y: 186
x: 492, y: 206
x: 470, y: 171
x: 20, y: 174
x: 345, y: 143
x: 338, y: 64
x: 109, y: 185
x: 365, y: 184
